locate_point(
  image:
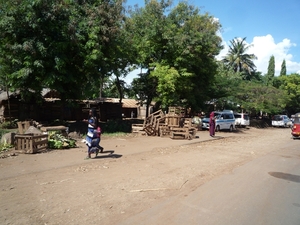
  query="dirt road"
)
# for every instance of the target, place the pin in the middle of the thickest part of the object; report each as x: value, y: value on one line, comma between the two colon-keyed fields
x: 133, y: 173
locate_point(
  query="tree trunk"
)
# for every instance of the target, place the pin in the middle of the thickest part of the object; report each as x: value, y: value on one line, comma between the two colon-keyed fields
x: 8, y: 105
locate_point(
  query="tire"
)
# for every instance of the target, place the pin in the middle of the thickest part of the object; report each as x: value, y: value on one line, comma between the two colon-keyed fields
x: 217, y: 128
x: 231, y: 128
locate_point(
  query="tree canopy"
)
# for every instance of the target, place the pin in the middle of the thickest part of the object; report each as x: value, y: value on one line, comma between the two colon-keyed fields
x: 85, y: 49
x: 238, y: 58
x: 271, y: 71
x: 58, y: 44
x: 177, y: 45
x: 283, y: 68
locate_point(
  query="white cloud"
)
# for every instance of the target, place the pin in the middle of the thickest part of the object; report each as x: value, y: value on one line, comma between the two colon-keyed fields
x: 264, y: 47
x: 224, y: 51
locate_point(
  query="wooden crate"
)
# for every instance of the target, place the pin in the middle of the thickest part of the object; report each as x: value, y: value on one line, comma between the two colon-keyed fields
x: 151, y: 123
x: 31, y: 143
x: 176, y: 111
x: 23, y: 126
x: 135, y: 128
x: 180, y: 132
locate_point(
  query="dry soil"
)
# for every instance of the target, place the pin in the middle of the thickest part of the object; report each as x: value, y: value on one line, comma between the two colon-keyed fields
x: 133, y: 173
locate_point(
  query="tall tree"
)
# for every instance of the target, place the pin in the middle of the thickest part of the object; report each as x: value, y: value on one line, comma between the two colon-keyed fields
x: 271, y: 71
x: 283, y: 68
x: 181, y: 44
x: 291, y: 86
x: 144, y: 88
x: 61, y: 44
x: 256, y: 97
x: 238, y: 59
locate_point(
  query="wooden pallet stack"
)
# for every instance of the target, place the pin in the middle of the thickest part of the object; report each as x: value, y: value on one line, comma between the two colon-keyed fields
x: 174, y: 124
x: 185, y: 129
x: 151, y: 123
x: 179, y: 111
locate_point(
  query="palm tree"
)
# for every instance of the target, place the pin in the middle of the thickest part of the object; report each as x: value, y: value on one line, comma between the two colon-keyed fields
x: 238, y: 59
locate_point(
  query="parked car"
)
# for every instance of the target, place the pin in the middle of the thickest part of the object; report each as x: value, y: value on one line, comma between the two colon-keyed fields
x: 241, y: 119
x: 281, y: 121
x: 296, y: 126
x: 225, y: 120
x: 205, y: 123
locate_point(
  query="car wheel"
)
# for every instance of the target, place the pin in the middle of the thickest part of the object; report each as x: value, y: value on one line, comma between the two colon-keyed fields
x: 218, y: 128
x: 231, y: 128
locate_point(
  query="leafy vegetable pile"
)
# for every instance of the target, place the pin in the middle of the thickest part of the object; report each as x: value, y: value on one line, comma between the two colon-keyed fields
x: 57, y: 141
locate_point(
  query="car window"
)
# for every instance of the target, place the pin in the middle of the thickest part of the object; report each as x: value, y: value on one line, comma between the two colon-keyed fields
x: 246, y: 117
x: 277, y: 118
x: 237, y: 115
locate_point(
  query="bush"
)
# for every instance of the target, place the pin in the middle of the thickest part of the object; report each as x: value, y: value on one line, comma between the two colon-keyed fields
x: 4, y: 146
x: 9, y: 125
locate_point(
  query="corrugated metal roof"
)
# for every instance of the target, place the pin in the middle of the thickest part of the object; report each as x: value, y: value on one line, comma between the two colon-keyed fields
x: 130, y: 103
x: 127, y: 103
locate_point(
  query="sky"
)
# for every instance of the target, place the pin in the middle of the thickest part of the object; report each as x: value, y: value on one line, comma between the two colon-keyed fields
x: 272, y: 27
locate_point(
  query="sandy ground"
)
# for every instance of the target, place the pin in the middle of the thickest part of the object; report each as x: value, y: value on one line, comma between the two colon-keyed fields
x: 133, y: 173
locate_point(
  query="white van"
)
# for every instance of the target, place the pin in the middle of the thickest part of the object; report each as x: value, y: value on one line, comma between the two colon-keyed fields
x: 224, y: 120
x: 241, y: 119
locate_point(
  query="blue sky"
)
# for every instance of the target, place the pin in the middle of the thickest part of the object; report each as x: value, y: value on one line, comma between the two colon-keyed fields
x: 271, y: 26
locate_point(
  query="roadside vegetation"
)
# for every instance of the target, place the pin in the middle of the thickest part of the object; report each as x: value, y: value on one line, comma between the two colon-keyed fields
x: 85, y: 49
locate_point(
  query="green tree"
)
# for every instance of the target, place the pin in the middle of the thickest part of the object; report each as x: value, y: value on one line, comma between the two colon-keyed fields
x: 114, y: 86
x: 238, y: 59
x: 256, y: 97
x: 107, y: 50
x: 290, y: 84
x: 271, y: 71
x: 64, y: 45
x: 144, y: 88
x: 224, y: 87
x: 179, y: 44
x: 283, y: 68
x: 36, y: 38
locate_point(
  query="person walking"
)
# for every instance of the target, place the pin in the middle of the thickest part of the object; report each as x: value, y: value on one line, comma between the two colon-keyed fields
x: 92, y: 140
x: 212, y: 124
x: 98, y: 137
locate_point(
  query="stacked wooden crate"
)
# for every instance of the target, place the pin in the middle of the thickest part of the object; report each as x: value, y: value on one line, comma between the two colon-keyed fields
x: 151, y: 123
x: 185, y: 129
x: 174, y: 124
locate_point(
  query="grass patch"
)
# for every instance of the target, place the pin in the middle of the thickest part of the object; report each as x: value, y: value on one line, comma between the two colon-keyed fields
x: 116, y: 134
x: 5, y: 147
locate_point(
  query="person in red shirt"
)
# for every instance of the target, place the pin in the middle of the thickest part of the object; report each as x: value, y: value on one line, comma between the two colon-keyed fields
x: 212, y: 124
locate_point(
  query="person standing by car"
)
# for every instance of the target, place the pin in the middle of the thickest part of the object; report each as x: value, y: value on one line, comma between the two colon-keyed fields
x: 212, y: 124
